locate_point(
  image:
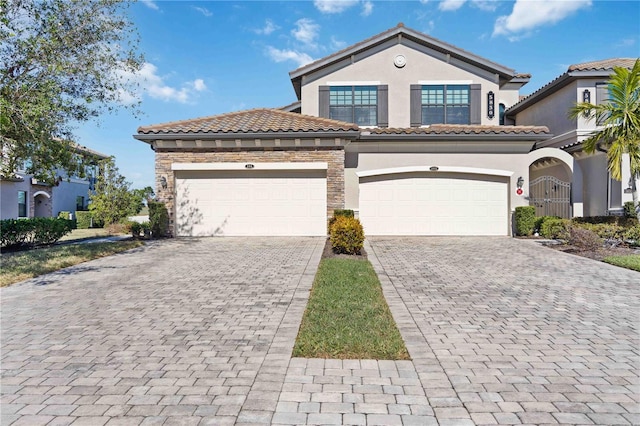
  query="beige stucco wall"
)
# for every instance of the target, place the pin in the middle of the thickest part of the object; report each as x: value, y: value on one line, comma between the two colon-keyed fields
x: 558, y: 171
x: 378, y: 68
x: 595, y: 182
x: 552, y: 111
x: 333, y: 156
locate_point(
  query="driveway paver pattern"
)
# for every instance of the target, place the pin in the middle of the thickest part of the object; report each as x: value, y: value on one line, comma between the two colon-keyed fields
x: 504, y: 331
x: 185, y: 331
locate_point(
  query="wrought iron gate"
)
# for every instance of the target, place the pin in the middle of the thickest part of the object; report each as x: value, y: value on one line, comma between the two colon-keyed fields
x: 550, y: 196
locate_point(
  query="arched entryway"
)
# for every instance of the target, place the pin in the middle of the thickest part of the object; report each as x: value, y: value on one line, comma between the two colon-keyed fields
x: 41, y: 204
x: 553, y: 187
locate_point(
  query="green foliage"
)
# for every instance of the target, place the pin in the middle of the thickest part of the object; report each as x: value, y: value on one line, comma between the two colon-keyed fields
x: 632, y: 235
x: 64, y: 214
x: 584, y: 239
x: 525, y: 218
x: 63, y: 63
x: 139, y: 198
x: 347, y: 235
x: 158, y: 219
x: 83, y: 220
x: 347, y: 316
x: 631, y: 261
x: 613, y: 220
x: 339, y: 213
x: 619, y: 123
x: 604, y: 230
x: 32, y: 232
x: 555, y: 228
x: 629, y: 210
x: 135, y: 228
x: 539, y: 221
x: 111, y: 200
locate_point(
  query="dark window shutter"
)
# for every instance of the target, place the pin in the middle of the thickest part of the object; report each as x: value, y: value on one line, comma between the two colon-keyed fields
x: 323, y: 97
x: 383, y: 106
x: 602, y: 93
x: 476, y: 104
x: 415, y: 101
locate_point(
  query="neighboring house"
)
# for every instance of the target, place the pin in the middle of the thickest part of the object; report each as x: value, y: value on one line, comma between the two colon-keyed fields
x: 593, y: 190
x: 22, y: 196
x: 406, y: 130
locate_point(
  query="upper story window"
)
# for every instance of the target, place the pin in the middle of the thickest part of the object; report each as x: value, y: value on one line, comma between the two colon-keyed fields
x: 354, y: 104
x: 446, y: 104
x: 501, y: 110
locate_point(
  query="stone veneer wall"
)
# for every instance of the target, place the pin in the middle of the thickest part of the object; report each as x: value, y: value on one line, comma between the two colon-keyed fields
x: 334, y: 157
x: 31, y: 202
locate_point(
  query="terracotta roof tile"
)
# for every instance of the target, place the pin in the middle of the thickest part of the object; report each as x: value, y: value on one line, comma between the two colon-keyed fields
x: 261, y: 120
x: 461, y: 129
x: 606, y: 64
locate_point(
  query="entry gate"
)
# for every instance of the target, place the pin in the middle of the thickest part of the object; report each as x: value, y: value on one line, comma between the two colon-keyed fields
x: 550, y: 196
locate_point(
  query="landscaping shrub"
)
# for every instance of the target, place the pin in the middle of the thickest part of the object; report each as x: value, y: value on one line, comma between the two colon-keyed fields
x: 158, y: 219
x: 555, y: 228
x: 135, y: 229
x: 584, y: 239
x: 613, y: 220
x: 338, y: 213
x: 604, y: 230
x: 632, y: 235
x: 64, y: 214
x: 33, y: 231
x: 525, y: 218
x: 347, y: 235
x: 118, y: 228
x: 629, y: 211
x: 537, y: 226
x: 83, y: 219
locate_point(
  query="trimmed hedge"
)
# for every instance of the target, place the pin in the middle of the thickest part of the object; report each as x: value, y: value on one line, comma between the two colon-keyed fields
x: 346, y: 235
x: 158, y: 219
x: 32, y: 232
x: 525, y: 218
x: 555, y: 228
x: 83, y: 219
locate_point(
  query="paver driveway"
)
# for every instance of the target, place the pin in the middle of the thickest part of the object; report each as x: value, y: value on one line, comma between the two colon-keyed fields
x: 180, y: 332
x: 505, y: 331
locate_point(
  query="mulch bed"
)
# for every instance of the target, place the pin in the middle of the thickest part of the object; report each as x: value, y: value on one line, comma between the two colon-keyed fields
x: 328, y: 253
x: 599, y: 254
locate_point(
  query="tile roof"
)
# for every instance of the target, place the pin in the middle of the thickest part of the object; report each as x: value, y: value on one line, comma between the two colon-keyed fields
x: 462, y: 129
x: 260, y: 120
x: 606, y: 64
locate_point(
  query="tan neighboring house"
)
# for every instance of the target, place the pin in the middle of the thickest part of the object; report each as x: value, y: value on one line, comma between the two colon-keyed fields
x: 594, y: 192
x: 406, y: 130
x: 23, y: 196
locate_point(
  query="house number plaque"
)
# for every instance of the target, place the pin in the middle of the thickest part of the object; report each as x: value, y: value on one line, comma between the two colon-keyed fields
x: 249, y: 166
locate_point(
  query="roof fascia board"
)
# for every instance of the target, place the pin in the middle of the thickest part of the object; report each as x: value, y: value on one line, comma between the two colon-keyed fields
x: 456, y: 137
x: 346, y: 134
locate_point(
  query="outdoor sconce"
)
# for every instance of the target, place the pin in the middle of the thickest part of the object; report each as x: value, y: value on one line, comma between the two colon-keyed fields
x: 491, y: 106
x: 163, y: 182
x: 520, y: 182
x: 586, y: 96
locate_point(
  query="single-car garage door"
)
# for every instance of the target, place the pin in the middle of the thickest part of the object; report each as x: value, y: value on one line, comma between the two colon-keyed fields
x: 251, y: 202
x: 424, y: 204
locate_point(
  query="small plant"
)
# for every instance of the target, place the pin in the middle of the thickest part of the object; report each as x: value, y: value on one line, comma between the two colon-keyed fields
x: 584, y: 238
x: 135, y: 229
x: 607, y: 231
x: 632, y: 235
x: 555, y: 228
x: 537, y: 226
x: 83, y: 220
x: 347, y: 235
x: 525, y: 218
x: 629, y: 210
x: 158, y: 219
x: 339, y: 213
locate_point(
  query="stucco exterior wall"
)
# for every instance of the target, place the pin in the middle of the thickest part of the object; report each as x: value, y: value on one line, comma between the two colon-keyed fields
x: 378, y: 68
x: 64, y: 195
x: 9, y: 198
x: 557, y: 171
x: 333, y: 156
x: 595, y: 183
x: 552, y: 111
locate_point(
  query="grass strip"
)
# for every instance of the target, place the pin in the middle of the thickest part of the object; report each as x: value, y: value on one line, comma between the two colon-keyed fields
x: 81, y: 234
x: 347, y: 316
x: 23, y: 265
x: 631, y: 261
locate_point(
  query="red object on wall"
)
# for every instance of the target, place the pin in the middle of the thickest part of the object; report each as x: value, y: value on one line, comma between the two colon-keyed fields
x: 519, y: 191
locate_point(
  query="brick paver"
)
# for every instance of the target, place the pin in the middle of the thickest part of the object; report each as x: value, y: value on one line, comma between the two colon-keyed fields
x: 185, y: 331
x: 504, y: 331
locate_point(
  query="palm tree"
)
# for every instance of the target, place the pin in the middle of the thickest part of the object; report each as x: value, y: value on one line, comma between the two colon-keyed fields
x: 619, y: 124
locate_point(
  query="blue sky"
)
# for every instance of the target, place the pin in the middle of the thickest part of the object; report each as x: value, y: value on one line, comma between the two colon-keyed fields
x: 205, y: 58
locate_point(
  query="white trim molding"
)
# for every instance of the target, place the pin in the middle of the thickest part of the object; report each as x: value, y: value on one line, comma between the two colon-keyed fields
x: 41, y: 193
x: 435, y: 170
x: 353, y: 83
x: 251, y: 166
x: 436, y: 82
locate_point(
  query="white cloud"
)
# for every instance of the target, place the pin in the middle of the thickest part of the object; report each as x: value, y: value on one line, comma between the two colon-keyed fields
x: 149, y: 82
x: 306, y: 31
x: 151, y: 4
x: 337, y: 44
x: 268, y: 28
x: 334, y: 6
x: 367, y: 8
x: 451, y: 5
x: 527, y: 15
x: 626, y: 42
x: 278, y: 55
x: 206, y: 12
x: 486, y: 5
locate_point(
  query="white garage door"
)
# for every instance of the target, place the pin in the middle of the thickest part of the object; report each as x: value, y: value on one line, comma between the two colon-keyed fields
x: 267, y: 203
x: 450, y: 204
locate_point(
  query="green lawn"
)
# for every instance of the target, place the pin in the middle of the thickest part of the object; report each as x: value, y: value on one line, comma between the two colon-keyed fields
x: 81, y: 234
x: 23, y: 265
x: 631, y: 261
x: 347, y: 316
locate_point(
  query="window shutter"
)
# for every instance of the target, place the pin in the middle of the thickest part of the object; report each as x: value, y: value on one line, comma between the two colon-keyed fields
x: 415, y: 101
x: 323, y: 97
x: 476, y: 104
x: 602, y: 93
x: 383, y: 106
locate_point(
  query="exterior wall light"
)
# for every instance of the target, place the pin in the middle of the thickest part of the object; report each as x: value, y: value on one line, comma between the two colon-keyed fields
x: 586, y: 96
x: 163, y: 182
x: 520, y: 182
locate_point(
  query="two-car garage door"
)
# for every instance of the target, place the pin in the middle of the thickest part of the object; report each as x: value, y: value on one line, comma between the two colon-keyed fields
x: 251, y: 202
x: 428, y: 204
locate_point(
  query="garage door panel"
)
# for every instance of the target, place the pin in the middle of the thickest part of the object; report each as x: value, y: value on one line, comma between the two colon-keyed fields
x: 246, y: 203
x: 415, y: 204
